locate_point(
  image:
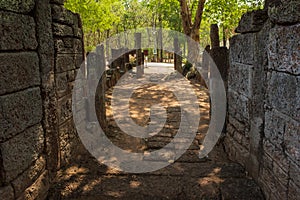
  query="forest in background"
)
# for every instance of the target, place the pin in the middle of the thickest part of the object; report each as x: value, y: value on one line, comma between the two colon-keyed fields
x: 104, y: 18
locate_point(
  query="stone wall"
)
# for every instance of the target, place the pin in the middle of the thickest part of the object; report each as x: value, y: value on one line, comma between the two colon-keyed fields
x: 264, y: 98
x: 40, y: 50
x: 69, y: 54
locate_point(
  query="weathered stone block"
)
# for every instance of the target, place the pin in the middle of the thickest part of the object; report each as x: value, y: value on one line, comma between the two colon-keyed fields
x: 255, y: 136
x: 284, y: 49
x: 17, y: 32
x: 240, y: 78
x: 64, y: 46
x: 286, y: 12
x: 77, y: 27
x: 69, y: 142
x: 64, y: 62
x: 18, y: 71
x: 242, y: 128
x: 294, y: 190
x: 65, y: 154
x: 294, y: 172
x: 64, y: 109
x: 280, y: 174
x: 229, y: 148
x: 265, y: 187
x: 19, y: 111
x: 267, y: 161
x: 17, y: 5
x: 274, y: 127
x: 29, y: 176
x: 238, y: 137
x: 283, y: 93
x: 220, y: 57
x: 242, y: 49
x: 276, y: 154
x: 242, y: 154
x: 246, y: 142
x: 238, y: 106
x: 292, y: 140
x: 68, y: 46
x: 236, y: 151
x: 62, y: 86
x: 62, y: 30
x: 78, y: 46
x: 66, y: 132
x: 230, y: 129
x: 45, y: 35
x: 79, y: 61
x: 19, y: 152
x: 38, y: 190
x: 7, y: 192
x: 277, y: 190
x: 252, y: 21
x: 60, y: 14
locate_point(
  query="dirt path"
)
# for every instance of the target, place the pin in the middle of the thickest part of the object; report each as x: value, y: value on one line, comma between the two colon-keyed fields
x: 189, y: 177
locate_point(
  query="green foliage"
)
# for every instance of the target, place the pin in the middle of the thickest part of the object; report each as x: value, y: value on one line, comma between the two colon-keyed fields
x: 103, y: 18
x: 187, y: 67
x: 95, y: 15
x: 135, y: 15
x: 166, y: 11
x: 226, y: 14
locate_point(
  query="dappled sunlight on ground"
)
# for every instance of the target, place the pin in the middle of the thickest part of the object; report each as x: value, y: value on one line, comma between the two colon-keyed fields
x: 213, y: 177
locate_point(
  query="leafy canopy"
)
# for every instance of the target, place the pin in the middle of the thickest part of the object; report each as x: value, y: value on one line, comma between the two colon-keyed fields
x: 103, y: 18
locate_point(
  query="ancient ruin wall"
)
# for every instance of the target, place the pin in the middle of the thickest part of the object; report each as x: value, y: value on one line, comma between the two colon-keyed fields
x: 40, y: 50
x: 264, y: 98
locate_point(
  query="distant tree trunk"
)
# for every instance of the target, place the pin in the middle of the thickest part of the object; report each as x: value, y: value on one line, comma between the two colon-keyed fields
x: 107, y: 44
x: 160, y: 39
x: 224, y: 37
x: 190, y: 28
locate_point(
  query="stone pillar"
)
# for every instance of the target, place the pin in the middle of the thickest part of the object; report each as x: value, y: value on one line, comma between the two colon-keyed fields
x: 138, y: 46
x: 126, y: 59
x: 205, y: 65
x: 214, y: 36
x: 100, y: 93
x: 143, y: 62
x: 220, y: 56
x: 177, y: 56
x: 92, y: 72
x: 115, y: 58
x: 46, y: 54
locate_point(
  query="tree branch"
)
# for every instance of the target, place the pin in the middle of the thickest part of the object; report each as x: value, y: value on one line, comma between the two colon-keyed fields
x: 198, y: 17
x: 186, y: 17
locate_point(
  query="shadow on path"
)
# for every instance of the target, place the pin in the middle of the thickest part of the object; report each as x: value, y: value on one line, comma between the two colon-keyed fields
x: 189, y: 177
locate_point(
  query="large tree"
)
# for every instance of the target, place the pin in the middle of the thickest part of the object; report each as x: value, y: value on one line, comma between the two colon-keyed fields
x: 191, y: 22
x: 226, y: 14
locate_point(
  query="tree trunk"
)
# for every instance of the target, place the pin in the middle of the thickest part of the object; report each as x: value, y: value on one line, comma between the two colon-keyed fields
x: 107, y: 44
x: 191, y: 29
x: 224, y: 37
x: 160, y: 39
